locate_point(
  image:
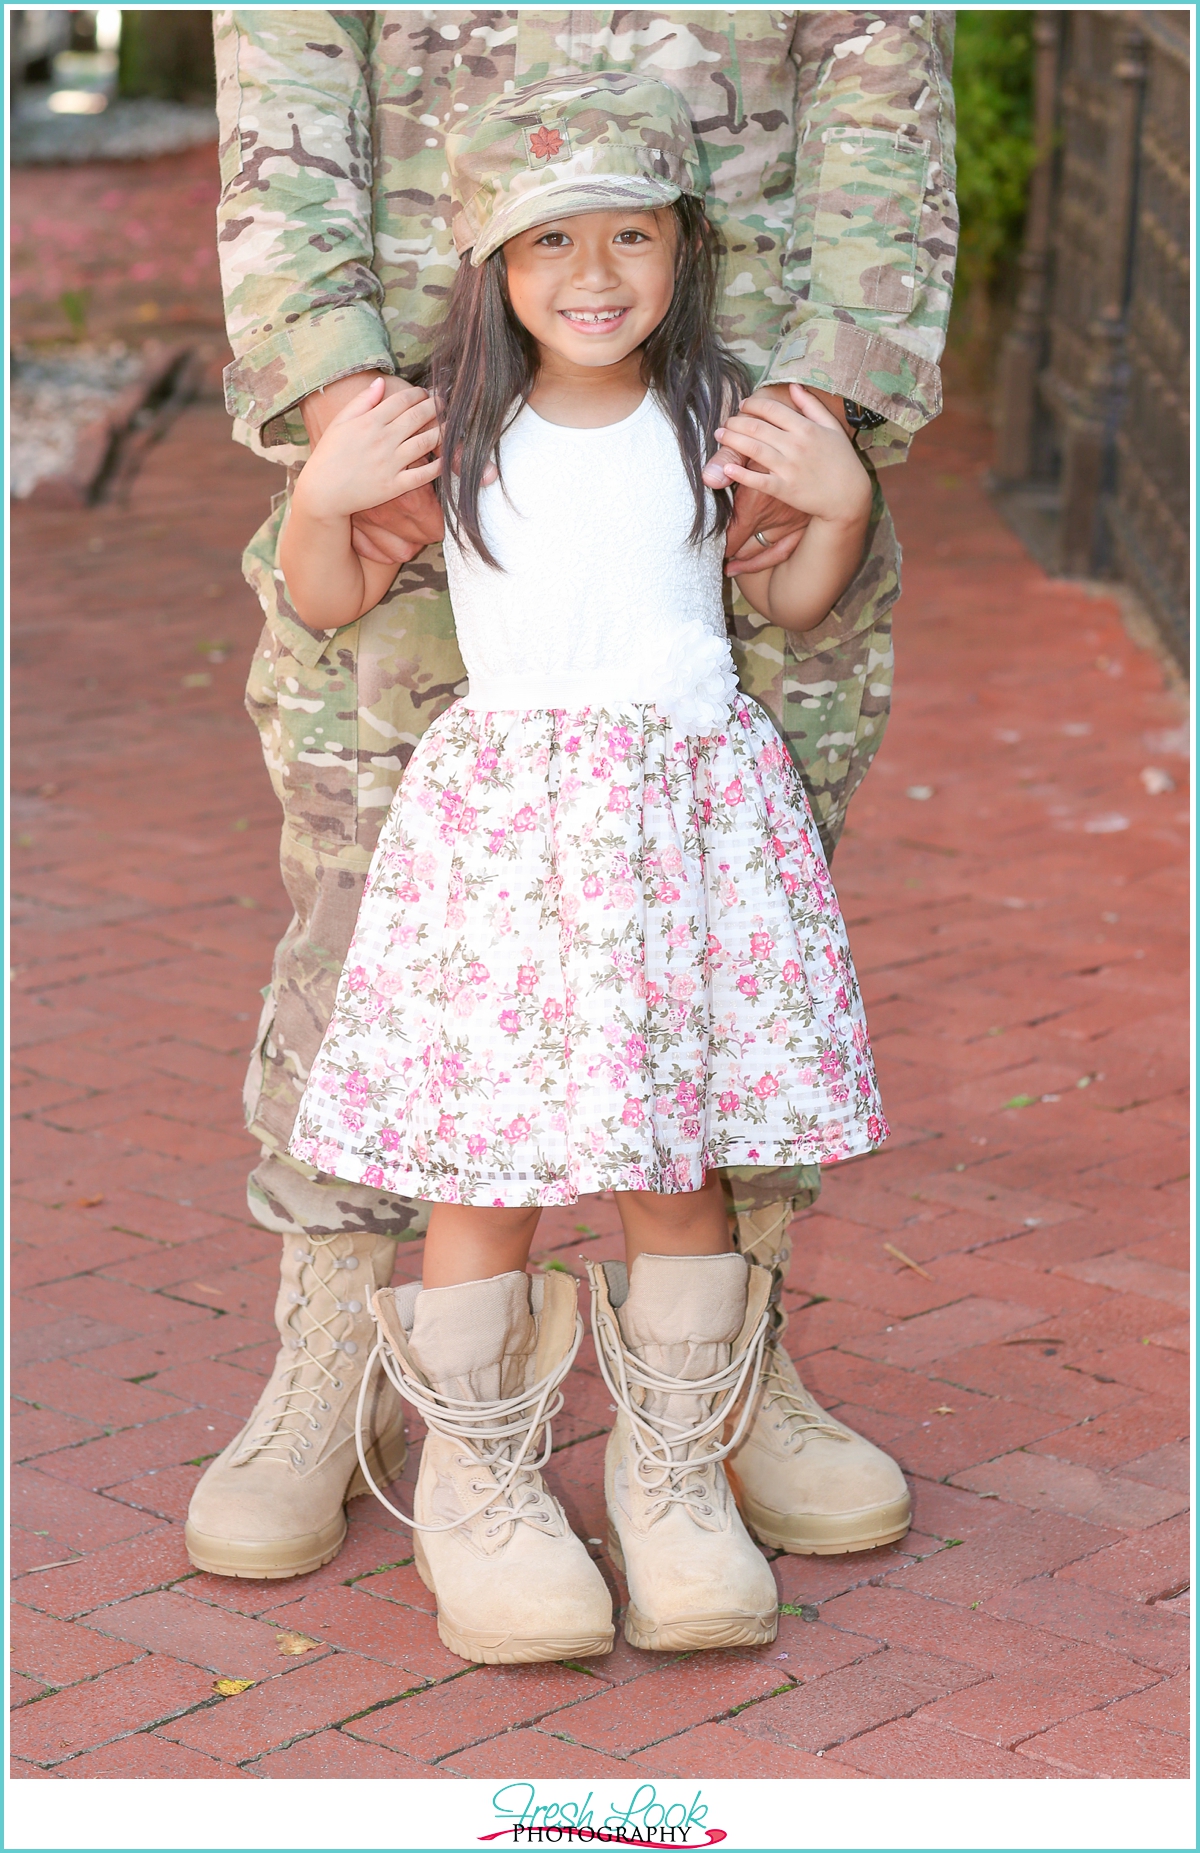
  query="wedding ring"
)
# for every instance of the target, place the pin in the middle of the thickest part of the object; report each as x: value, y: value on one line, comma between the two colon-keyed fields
x: 761, y: 538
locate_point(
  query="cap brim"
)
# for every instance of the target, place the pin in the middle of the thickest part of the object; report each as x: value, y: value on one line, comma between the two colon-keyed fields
x: 602, y: 193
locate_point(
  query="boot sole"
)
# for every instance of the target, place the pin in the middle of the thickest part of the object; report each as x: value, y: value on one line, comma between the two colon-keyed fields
x: 274, y: 1559
x: 497, y: 1649
x: 696, y: 1633
x: 691, y: 1633
x: 494, y: 1648
x: 825, y: 1535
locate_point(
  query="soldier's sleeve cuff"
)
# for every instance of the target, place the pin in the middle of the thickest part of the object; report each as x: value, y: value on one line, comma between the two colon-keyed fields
x: 837, y: 355
x: 265, y: 385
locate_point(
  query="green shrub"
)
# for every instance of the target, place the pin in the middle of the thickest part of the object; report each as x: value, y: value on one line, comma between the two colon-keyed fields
x: 993, y: 88
x: 167, y: 53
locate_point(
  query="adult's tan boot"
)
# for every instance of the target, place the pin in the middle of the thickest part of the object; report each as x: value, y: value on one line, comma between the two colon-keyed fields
x: 483, y: 1362
x: 272, y: 1504
x: 677, y: 1342
x: 803, y: 1481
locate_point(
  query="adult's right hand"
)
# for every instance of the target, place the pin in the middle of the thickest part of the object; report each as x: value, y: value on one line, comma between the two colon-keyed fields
x: 396, y: 531
x: 754, y: 510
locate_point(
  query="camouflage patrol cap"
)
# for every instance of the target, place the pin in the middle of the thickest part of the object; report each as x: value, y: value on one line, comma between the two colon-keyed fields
x: 604, y: 142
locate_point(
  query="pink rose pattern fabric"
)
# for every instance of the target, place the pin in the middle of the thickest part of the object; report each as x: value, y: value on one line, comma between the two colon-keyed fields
x: 593, y: 953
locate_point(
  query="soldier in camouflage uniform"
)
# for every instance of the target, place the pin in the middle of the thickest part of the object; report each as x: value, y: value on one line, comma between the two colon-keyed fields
x: 827, y: 145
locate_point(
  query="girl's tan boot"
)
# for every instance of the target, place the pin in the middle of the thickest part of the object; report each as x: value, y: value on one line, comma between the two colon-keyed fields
x: 272, y: 1504
x: 677, y: 1342
x: 804, y: 1482
x: 482, y: 1363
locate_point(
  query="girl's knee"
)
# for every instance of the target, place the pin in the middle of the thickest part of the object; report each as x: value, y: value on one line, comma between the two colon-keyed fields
x: 681, y: 1202
x: 493, y: 1224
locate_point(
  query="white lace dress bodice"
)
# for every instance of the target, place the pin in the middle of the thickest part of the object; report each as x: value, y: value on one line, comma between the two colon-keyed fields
x: 604, y: 599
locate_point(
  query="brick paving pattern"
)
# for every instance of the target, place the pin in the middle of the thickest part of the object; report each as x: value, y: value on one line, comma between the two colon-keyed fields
x: 133, y: 254
x: 1021, y: 935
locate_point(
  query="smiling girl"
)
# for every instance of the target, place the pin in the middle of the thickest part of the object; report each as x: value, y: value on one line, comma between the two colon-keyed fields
x: 599, y: 947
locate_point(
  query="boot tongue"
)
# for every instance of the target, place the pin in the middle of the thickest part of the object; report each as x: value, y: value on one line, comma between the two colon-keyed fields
x: 475, y: 1342
x: 681, y: 1317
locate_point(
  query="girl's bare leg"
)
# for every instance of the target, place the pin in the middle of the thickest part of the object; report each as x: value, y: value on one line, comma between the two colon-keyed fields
x: 474, y: 1244
x: 693, y: 1223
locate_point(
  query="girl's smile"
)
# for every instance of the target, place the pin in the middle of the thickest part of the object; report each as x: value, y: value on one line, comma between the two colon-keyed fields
x: 595, y: 321
x: 592, y: 287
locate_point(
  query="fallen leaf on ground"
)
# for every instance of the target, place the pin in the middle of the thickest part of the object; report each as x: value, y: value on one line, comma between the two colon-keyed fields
x: 229, y: 1688
x: 289, y: 1643
x: 943, y: 1409
x: 87, y: 1203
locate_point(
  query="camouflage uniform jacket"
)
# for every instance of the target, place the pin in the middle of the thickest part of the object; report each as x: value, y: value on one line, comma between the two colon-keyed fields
x: 826, y: 140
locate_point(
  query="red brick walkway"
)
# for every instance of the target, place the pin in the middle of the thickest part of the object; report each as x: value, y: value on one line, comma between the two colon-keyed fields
x: 1021, y: 933
x: 129, y: 246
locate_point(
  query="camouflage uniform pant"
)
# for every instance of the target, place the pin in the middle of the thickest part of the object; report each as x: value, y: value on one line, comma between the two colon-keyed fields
x: 339, y: 719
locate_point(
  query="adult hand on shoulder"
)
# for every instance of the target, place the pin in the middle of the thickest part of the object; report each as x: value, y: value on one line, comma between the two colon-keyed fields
x: 757, y: 511
x: 394, y: 531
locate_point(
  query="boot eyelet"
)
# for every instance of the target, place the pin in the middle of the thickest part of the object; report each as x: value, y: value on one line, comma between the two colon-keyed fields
x: 337, y: 1383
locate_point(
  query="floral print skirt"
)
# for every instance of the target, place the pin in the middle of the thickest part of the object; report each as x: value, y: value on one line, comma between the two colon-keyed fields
x: 593, y: 953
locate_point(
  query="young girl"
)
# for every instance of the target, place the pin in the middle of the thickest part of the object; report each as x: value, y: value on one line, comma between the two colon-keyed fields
x: 599, y: 946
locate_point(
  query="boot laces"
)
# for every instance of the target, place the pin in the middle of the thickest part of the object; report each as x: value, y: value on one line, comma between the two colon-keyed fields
x: 763, y: 1237
x: 670, y: 1461
x: 793, y: 1408
x: 291, y: 1418
x: 497, y: 1437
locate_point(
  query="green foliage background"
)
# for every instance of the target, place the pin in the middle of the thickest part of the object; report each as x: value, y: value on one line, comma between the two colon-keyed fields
x: 993, y: 88
x: 167, y: 54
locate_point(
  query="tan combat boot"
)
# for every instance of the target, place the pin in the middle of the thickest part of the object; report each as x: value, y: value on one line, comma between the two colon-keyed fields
x: 271, y: 1504
x: 804, y: 1482
x: 676, y: 1345
x: 483, y: 1363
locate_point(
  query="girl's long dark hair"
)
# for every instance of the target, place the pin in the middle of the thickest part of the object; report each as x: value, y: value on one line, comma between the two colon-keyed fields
x: 484, y: 365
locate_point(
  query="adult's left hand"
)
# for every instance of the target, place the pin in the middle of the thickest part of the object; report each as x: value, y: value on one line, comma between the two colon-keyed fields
x: 753, y: 510
x: 397, y: 531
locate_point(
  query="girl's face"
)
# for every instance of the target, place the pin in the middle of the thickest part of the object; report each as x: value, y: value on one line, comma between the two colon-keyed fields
x: 591, y: 288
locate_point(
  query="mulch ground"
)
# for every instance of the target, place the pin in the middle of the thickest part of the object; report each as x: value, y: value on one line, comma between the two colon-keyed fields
x: 1000, y: 1297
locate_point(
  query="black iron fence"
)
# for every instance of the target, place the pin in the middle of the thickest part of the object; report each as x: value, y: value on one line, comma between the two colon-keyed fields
x: 1094, y: 445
